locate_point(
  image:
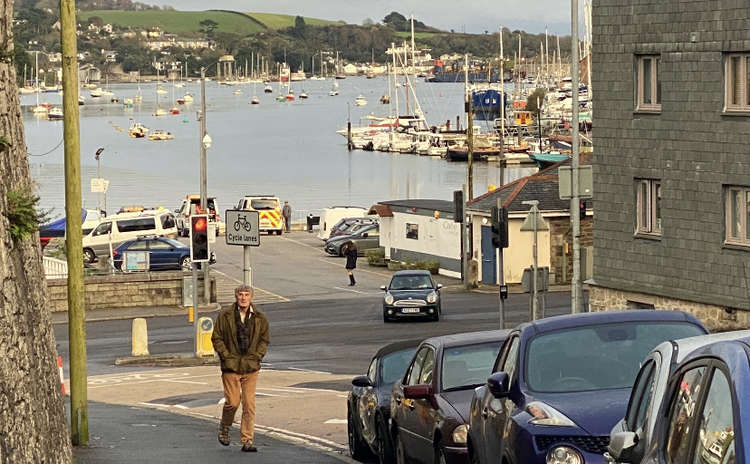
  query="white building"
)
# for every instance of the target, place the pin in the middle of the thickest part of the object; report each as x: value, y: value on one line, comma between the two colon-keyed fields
x: 420, y: 230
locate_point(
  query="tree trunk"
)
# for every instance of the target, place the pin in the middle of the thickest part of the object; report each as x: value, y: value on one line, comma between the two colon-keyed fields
x: 33, y: 428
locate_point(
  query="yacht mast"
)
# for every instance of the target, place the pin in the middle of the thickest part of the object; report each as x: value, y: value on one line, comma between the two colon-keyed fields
x: 395, y: 82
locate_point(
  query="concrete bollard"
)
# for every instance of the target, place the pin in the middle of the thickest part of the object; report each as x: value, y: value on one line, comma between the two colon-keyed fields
x: 203, y: 337
x: 140, y: 337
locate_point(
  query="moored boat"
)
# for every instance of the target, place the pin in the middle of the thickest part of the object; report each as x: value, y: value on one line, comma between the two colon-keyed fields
x: 255, y: 101
x: 55, y: 113
x: 138, y: 130
x: 360, y: 101
x: 158, y: 134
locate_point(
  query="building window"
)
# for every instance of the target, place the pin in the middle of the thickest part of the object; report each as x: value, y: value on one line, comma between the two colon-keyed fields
x: 648, y: 83
x: 412, y: 231
x: 737, y: 82
x: 648, y: 201
x: 738, y: 215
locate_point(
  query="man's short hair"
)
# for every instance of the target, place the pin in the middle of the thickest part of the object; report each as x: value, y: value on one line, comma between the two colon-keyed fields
x: 243, y: 288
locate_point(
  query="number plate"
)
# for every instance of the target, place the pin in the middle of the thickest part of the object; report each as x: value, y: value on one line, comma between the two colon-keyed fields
x: 409, y: 310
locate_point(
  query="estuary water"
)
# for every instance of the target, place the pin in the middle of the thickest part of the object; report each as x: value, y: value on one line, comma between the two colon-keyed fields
x: 287, y: 149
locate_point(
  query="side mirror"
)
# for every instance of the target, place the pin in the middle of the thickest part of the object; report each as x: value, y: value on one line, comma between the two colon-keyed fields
x: 362, y: 381
x: 499, y: 384
x: 418, y: 392
x: 364, y: 235
x: 439, y: 286
x: 382, y: 287
x: 621, y: 445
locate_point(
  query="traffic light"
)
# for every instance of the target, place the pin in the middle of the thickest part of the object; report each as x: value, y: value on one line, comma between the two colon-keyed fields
x: 458, y: 206
x: 582, y: 209
x: 499, y: 227
x: 199, y: 251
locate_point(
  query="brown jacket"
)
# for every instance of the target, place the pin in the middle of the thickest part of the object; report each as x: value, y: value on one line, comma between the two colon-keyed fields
x: 225, y: 343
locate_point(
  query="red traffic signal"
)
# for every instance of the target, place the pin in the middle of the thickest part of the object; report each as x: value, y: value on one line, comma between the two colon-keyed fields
x: 200, y: 223
x: 199, y: 248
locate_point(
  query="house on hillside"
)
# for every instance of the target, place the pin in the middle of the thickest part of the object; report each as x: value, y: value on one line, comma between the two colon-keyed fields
x: 672, y: 225
x: 555, y: 246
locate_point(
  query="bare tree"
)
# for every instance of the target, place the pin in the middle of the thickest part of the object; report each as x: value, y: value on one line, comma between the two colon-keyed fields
x: 33, y: 427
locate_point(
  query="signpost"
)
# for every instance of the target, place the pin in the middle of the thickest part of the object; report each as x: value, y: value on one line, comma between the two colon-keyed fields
x: 243, y: 229
x: 534, y: 223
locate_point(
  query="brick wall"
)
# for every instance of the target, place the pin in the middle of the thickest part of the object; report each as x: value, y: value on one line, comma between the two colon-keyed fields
x: 690, y: 145
x: 124, y: 290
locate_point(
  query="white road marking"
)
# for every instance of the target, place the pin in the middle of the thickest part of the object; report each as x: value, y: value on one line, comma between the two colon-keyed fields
x: 350, y: 290
x: 156, y: 405
x: 307, y: 370
x: 335, y: 421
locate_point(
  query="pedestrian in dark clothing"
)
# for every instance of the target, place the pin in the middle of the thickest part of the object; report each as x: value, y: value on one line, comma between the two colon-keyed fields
x: 286, y: 211
x: 240, y: 338
x: 350, y: 251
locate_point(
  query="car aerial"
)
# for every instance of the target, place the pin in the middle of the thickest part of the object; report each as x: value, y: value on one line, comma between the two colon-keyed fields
x: 647, y: 395
x: 561, y: 383
x: 367, y: 237
x: 411, y: 294
x: 347, y: 226
x: 163, y: 252
x: 430, y: 404
x: 369, y: 402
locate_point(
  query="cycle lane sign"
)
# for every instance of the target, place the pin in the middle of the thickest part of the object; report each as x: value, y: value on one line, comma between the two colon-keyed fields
x: 243, y: 227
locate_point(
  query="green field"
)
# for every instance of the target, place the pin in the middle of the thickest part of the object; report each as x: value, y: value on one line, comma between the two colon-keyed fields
x: 280, y: 21
x: 187, y: 22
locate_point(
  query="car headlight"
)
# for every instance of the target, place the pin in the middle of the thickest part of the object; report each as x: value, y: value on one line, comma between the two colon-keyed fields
x: 432, y: 297
x: 460, y: 434
x: 564, y: 455
x: 544, y: 414
x: 388, y: 299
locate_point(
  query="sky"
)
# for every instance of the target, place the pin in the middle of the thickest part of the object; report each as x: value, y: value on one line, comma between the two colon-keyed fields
x: 462, y: 16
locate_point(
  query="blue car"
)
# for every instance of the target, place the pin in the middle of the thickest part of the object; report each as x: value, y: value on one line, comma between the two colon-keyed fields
x: 560, y: 384
x: 707, y: 414
x: 164, y: 253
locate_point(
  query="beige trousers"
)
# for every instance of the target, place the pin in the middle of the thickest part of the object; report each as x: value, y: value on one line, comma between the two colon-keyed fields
x: 240, y: 388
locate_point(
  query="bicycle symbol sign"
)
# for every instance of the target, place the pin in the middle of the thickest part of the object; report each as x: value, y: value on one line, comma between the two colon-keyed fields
x: 242, y: 227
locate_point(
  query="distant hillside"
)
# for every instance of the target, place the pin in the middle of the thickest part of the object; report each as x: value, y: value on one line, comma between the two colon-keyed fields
x: 187, y: 22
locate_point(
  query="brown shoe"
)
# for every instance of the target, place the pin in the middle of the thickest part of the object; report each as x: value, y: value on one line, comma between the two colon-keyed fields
x: 224, y: 438
x: 249, y: 448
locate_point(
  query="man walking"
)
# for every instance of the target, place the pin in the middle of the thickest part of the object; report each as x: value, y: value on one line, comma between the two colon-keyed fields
x: 240, y: 338
x: 286, y: 211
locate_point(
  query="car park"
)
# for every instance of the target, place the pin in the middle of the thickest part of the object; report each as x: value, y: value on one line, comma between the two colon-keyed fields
x: 647, y: 397
x: 561, y: 383
x: 365, y: 238
x: 430, y: 404
x: 369, y: 402
x: 411, y: 294
x: 163, y: 253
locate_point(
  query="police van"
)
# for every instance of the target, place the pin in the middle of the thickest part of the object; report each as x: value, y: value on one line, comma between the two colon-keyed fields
x: 269, y: 212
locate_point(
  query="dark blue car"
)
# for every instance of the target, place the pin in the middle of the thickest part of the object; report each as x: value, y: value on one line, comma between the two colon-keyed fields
x: 707, y: 420
x: 560, y: 384
x: 164, y: 253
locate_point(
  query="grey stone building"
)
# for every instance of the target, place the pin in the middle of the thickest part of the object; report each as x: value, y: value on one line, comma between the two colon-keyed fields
x: 671, y: 82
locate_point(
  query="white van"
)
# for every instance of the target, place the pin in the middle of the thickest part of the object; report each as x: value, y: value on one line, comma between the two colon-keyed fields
x: 334, y: 214
x: 119, y: 228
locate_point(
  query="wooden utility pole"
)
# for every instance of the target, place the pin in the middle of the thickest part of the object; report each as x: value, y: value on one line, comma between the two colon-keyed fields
x: 79, y: 422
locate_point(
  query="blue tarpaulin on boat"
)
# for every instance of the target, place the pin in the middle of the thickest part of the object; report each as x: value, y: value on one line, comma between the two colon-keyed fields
x: 487, y: 104
x: 57, y: 228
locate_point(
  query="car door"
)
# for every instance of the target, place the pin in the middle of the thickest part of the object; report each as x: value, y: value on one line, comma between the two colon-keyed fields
x: 372, y: 240
x: 496, y: 411
x: 424, y: 414
x: 162, y: 255
x: 714, y: 438
x: 368, y: 404
x: 639, y: 408
x: 403, y: 408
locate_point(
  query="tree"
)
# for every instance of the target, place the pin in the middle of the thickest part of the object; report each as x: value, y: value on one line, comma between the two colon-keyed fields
x: 34, y: 428
x: 299, y: 27
x: 531, y: 100
x: 368, y: 22
x: 397, y: 20
x: 208, y: 26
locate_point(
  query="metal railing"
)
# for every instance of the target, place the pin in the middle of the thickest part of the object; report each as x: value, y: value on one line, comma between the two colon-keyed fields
x: 55, y: 268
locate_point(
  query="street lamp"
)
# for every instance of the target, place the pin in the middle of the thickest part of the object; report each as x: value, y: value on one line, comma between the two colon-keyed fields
x: 98, y: 158
x: 207, y: 141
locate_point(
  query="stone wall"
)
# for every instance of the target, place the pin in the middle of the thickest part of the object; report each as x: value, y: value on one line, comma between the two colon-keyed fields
x: 716, y: 318
x: 124, y: 290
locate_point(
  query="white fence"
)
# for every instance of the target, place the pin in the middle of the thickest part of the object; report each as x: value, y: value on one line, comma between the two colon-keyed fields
x: 55, y: 268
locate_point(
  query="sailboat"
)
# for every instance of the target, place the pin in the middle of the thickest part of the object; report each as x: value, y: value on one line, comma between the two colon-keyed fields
x: 159, y: 111
x: 303, y: 95
x: 174, y: 109
x: 268, y: 89
x: 106, y: 92
x: 39, y: 109
x: 255, y: 100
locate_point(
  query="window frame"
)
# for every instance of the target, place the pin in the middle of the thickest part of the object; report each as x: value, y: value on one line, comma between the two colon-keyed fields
x: 417, y: 361
x: 744, y: 90
x: 641, y: 398
x: 651, y: 188
x: 654, y: 83
x: 673, y: 391
x: 412, y: 231
x: 743, y: 227
x: 715, y: 367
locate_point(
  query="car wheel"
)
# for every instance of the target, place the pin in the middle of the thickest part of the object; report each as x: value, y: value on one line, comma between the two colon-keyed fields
x: 88, y: 256
x: 400, y: 451
x: 278, y: 232
x: 186, y: 264
x: 357, y: 448
x: 385, y: 450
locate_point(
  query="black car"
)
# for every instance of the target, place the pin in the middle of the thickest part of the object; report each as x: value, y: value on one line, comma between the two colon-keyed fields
x: 411, y: 294
x: 369, y: 402
x: 366, y: 237
x: 430, y: 404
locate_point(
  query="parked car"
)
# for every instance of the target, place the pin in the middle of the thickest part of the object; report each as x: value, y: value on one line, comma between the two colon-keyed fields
x: 661, y: 426
x: 365, y: 238
x: 411, y: 294
x: 561, y: 383
x: 164, y: 253
x: 349, y: 226
x: 369, y: 403
x: 638, y: 433
x: 430, y: 404
x: 191, y: 205
x: 333, y: 215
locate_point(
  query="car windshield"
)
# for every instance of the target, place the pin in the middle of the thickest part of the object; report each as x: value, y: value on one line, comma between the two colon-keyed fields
x: 264, y: 204
x: 410, y: 282
x: 393, y: 365
x: 597, y: 357
x: 468, y: 366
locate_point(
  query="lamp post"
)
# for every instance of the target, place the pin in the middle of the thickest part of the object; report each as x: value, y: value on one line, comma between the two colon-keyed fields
x: 98, y: 158
x: 205, y: 143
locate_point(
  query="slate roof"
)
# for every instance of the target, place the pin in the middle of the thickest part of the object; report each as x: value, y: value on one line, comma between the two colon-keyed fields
x: 426, y: 204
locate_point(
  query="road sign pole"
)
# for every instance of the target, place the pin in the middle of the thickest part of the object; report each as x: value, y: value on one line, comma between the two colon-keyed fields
x: 501, y: 278
x: 247, y: 266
